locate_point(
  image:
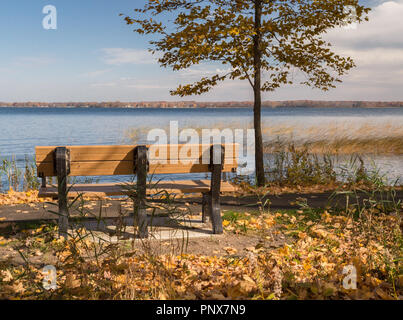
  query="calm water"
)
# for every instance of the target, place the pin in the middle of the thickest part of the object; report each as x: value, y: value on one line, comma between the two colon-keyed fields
x: 21, y: 129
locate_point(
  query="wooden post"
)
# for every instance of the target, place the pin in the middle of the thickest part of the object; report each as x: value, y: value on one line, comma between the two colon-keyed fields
x: 214, y: 198
x: 62, y: 158
x: 140, y: 219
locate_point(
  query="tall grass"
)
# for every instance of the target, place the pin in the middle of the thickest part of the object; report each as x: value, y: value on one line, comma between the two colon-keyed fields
x: 293, y: 166
x: 23, y: 177
x: 347, y: 145
x: 18, y: 178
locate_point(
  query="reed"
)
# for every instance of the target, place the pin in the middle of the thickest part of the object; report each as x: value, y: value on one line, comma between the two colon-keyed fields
x: 18, y: 178
x: 346, y: 146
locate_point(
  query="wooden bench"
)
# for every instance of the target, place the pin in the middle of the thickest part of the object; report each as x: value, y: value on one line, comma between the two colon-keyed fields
x: 140, y: 160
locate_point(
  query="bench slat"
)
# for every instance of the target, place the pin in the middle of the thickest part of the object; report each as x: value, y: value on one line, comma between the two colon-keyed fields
x: 116, y: 189
x: 125, y: 153
x: 99, y: 168
x: 88, y: 153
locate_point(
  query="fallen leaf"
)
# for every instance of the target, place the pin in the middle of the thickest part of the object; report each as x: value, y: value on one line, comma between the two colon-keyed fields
x: 230, y: 250
x: 71, y: 282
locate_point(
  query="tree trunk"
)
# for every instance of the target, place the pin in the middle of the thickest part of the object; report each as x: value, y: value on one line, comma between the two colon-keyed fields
x: 257, y: 56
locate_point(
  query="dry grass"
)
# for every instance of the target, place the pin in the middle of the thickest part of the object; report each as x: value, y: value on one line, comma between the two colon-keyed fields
x: 367, y: 138
x: 347, y: 146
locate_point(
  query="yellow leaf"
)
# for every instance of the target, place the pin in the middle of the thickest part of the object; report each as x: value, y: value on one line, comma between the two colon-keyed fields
x: 225, y: 223
x: 301, y: 235
x: 6, y: 276
x: 306, y: 265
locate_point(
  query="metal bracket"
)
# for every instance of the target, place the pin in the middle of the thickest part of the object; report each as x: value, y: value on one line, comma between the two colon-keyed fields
x: 62, y: 153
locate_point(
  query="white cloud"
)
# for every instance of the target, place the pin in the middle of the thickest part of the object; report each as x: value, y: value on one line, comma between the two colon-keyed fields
x: 104, y: 84
x: 142, y: 84
x: 202, y: 71
x: 127, y: 78
x: 377, y: 49
x: 383, y: 30
x: 119, y: 56
x: 148, y: 86
x: 93, y: 74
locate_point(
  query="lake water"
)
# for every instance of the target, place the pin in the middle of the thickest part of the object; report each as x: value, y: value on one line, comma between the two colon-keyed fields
x: 21, y: 129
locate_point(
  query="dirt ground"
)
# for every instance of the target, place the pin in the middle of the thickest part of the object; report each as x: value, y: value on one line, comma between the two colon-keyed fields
x: 176, y: 241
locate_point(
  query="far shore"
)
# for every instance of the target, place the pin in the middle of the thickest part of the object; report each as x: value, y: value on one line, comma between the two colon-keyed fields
x: 217, y: 104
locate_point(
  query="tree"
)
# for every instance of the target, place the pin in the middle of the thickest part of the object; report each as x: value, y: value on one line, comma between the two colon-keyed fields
x: 277, y: 37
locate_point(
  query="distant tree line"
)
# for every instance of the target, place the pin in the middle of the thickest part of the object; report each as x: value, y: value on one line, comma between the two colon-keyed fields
x: 212, y: 104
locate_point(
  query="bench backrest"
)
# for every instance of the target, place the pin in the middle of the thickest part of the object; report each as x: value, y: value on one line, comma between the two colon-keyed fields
x: 120, y: 160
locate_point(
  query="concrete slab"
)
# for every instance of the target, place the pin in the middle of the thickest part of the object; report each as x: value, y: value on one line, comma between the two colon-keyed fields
x: 160, y: 229
x: 158, y: 234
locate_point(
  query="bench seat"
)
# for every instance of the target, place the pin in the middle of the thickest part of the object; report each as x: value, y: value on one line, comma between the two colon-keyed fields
x: 118, y: 189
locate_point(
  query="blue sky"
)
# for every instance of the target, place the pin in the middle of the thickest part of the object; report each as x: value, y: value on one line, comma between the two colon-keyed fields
x: 95, y: 56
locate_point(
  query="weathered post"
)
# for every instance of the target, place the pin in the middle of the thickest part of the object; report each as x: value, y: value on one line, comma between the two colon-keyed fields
x: 141, y: 169
x: 62, y: 162
x: 217, y: 153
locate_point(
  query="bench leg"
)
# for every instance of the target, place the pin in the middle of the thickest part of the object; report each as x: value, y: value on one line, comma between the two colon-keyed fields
x: 214, y: 203
x: 206, y: 207
x: 141, y: 213
x: 63, y: 208
x: 216, y: 215
x: 43, y: 183
x: 62, y: 172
